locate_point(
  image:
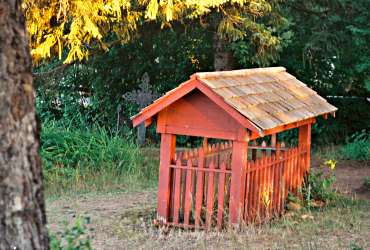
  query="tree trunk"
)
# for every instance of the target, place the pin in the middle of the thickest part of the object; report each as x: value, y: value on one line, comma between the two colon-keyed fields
x: 22, y: 210
x: 223, y: 59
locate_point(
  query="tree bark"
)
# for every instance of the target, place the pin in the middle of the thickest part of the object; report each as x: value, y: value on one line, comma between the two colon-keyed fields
x: 223, y: 59
x: 22, y: 209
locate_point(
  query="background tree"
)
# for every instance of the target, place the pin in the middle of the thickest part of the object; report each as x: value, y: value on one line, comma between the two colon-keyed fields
x: 22, y: 211
x: 330, y: 52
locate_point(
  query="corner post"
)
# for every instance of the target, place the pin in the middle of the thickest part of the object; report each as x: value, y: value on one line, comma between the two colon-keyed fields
x: 167, y: 155
x: 304, y: 139
x: 238, y: 177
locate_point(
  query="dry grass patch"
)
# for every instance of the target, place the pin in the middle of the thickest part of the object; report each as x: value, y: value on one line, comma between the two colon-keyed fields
x: 124, y: 221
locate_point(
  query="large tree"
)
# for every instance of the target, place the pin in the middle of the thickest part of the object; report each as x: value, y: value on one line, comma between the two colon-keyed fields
x: 22, y: 212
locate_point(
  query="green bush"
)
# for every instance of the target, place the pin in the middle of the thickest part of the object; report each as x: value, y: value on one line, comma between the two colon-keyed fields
x: 319, y: 184
x: 358, y: 147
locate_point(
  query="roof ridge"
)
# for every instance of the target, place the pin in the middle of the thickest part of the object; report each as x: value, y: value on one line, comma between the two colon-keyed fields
x: 239, y: 72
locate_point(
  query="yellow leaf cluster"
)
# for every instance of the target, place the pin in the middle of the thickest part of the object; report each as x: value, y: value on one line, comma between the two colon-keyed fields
x: 71, y: 29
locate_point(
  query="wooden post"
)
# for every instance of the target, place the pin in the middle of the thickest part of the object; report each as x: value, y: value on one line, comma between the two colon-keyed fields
x: 238, y: 175
x: 304, y: 139
x: 167, y: 154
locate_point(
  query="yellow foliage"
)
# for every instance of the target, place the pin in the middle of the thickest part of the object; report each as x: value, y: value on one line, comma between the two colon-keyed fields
x: 77, y: 26
x: 331, y: 164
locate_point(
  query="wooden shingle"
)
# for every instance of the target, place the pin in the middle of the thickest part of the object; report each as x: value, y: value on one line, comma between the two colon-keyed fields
x: 269, y: 97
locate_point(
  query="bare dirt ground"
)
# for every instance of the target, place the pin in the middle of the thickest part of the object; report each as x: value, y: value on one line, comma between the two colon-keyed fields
x: 350, y: 178
x: 122, y: 221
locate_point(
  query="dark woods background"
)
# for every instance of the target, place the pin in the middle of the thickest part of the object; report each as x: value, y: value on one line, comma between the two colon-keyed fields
x: 325, y: 44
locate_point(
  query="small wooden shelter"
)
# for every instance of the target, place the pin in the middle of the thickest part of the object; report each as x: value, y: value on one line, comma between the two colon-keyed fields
x: 236, y: 180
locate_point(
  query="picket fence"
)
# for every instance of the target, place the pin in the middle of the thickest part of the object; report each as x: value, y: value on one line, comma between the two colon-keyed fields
x: 201, y: 178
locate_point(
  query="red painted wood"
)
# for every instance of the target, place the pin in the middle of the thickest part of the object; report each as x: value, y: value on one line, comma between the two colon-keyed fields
x: 148, y: 122
x: 188, y: 198
x: 200, y: 187
x: 206, y: 120
x: 296, y: 171
x: 276, y: 189
x: 284, y: 170
x: 278, y: 183
x: 237, y: 188
x: 270, y: 183
x: 168, y: 144
x: 258, y: 188
x: 304, y: 139
x: 247, y: 192
x: 210, y: 196
x: 230, y: 110
x: 163, y: 102
x: 221, y: 196
x: 289, y: 126
x: 253, y: 191
x: 291, y: 170
x: 177, y: 193
x: 264, y: 183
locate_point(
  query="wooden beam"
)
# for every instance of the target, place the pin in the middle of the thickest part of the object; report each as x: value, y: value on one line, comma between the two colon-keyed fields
x: 201, y: 132
x: 304, y: 140
x: 167, y: 155
x: 148, y: 122
x: 238, y: 176
x: 289, y: 126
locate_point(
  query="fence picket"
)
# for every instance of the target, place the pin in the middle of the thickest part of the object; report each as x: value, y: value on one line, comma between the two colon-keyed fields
x: 271, y: 183
x: 210, y: 197
x: 188, y: 197
x: 221, y: 195
x: 177, y: 193
x: 200, y: 187
x: 252, y: 206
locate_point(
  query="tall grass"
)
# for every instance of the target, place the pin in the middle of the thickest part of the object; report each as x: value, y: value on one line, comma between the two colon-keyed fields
x: 357, y: 148
x: 92, y: 158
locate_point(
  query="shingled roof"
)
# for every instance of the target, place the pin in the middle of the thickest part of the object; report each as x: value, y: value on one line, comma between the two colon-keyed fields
x: 268, y: 97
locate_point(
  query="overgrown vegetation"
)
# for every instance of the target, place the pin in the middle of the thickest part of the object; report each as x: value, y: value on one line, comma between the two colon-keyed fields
x: 92, y: 159
x: 318, y: 188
